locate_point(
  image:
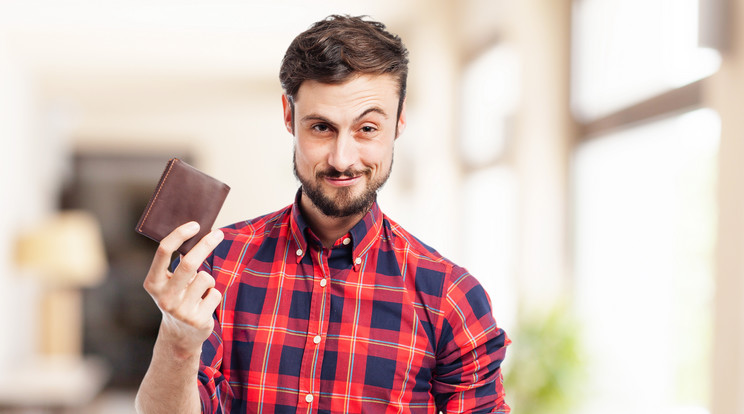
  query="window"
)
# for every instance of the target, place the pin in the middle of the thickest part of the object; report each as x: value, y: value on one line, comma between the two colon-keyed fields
x: 629, y: 50
x: 645, y: 222
x: 644, y: 178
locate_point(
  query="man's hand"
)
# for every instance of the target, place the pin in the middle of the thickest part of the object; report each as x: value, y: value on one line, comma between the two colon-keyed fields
x: 186, y: 298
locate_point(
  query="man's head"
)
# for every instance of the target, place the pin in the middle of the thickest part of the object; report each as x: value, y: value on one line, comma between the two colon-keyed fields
x: 339, y: 47
x: 344, y: 102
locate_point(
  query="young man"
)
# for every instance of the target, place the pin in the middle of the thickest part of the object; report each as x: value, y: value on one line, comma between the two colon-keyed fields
x: 326, y: 306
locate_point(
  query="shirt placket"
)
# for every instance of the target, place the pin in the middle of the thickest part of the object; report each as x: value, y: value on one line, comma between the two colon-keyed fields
x: 312, y: 358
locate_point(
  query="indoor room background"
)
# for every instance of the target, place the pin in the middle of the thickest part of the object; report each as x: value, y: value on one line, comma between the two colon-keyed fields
x: 582, y: 158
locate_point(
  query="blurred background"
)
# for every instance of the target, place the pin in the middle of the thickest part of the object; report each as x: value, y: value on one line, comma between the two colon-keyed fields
x: 582, y: 158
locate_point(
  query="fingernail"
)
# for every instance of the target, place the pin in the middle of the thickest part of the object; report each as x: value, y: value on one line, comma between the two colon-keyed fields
x: 192, y: 226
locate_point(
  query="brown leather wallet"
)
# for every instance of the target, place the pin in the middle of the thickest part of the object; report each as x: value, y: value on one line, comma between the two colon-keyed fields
x: 183, y: 194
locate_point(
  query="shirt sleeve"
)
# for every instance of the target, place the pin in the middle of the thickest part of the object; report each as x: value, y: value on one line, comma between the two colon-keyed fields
x: 214, y: 390
x: 470, y: 350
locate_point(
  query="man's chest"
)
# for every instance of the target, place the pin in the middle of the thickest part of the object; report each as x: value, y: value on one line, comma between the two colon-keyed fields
x: 314, y: 331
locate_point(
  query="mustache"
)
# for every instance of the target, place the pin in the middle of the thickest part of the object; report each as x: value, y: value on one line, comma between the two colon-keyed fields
x: 334, y: 173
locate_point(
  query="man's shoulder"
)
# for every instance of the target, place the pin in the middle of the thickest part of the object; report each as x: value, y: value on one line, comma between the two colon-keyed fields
x: 256, y: 223
x: 425, y: 255
x: 436, y: 276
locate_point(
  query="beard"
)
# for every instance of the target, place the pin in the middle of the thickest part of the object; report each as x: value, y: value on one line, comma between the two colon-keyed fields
x: 344, y: 203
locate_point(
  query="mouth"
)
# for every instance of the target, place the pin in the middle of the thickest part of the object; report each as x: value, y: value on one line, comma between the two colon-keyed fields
x: 342, y: 181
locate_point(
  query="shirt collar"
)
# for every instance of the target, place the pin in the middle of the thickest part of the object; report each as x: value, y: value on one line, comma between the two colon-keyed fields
x: 363, y: 235
x: 298, y: 225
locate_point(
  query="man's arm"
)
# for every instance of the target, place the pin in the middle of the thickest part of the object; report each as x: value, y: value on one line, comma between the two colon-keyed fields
x: 470, y: 351
x: 187, y: 300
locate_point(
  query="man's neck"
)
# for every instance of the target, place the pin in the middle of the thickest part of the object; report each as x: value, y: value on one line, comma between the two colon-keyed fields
x: 328, y: 229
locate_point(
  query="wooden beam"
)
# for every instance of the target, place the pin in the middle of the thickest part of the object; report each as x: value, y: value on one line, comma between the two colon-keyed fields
x: 669, y: 103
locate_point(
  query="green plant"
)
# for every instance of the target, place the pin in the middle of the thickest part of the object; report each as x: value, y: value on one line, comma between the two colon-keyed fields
x: 545, y: 368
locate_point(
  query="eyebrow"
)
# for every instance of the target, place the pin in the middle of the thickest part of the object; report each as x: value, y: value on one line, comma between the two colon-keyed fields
x: 318, y: 117
x: 376, y: 109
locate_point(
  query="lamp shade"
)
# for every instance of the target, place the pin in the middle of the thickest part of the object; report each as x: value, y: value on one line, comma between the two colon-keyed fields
x: 66, y: 250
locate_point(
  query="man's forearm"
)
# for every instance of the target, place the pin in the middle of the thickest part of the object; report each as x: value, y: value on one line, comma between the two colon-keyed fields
x: 187, y: 298
x: 170, y: 384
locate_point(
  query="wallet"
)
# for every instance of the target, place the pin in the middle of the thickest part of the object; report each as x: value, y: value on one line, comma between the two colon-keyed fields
x: 183, y: 194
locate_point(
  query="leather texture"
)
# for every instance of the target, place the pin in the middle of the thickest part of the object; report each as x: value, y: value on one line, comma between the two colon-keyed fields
x: 183, y: 194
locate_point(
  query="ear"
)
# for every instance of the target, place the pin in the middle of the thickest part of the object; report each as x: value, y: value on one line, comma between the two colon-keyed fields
x: 401, y: 119
x: 288, y: 121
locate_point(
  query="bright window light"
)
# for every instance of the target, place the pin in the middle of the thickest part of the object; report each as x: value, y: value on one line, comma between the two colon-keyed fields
x: 628, y: 50
x: 645, y: 233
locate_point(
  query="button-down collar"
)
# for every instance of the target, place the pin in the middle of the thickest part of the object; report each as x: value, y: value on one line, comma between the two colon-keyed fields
x: 362, y: 235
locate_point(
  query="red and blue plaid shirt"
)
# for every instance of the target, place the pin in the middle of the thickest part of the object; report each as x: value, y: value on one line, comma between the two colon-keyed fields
x: 379, y: 323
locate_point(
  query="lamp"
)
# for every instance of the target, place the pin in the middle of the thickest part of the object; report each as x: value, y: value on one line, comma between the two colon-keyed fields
x: 65, y: 253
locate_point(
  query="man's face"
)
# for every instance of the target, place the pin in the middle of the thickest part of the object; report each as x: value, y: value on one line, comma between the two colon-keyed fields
x: 344, y: 141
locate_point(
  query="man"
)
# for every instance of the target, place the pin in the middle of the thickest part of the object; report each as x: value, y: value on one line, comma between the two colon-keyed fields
x: 326, y: 306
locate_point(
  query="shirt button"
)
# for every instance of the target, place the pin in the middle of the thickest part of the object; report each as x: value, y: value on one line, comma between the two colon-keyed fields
x: 358, y: 260
x: 317, y: 339
x: 346, y: 241
x: 323, y: 282
x: 299, y: 252
x: 309, y: 398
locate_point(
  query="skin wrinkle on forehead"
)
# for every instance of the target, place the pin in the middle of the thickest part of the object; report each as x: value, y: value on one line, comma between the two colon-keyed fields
x: 360, y: 100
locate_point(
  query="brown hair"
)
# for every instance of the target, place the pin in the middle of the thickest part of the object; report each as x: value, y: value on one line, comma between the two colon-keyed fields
x: 337, y: 47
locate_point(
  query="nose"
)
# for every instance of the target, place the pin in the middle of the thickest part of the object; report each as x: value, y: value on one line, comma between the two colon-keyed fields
x: 344, y: 152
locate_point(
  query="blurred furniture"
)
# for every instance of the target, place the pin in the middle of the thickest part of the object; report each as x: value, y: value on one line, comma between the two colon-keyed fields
x: 64, y: 254
x: 51, y: 384
x: 121, y: 320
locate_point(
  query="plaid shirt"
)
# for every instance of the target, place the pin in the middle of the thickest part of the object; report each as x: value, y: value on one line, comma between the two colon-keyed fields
x: 380, y: 323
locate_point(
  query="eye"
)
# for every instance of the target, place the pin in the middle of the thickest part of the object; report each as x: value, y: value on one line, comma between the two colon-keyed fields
x: 321, y: 128
x: 368, y: 129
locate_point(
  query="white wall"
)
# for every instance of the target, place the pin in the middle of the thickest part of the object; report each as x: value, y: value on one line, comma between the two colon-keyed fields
x: 23, y: 185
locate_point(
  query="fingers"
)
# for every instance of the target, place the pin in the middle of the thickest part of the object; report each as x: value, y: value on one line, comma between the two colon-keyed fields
x: 195, y: 311
x: 189, y: 307
x: 183, y: 290
x: 209, y: 303
x: 186, y: 298
x: 159, y: 268
x: 197, y: 289
x: 181, y: 293
x: 184, y: 273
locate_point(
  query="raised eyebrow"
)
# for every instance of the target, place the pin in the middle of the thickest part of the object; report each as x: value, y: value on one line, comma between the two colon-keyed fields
x: 376, y: 109
x: 321, y: 118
